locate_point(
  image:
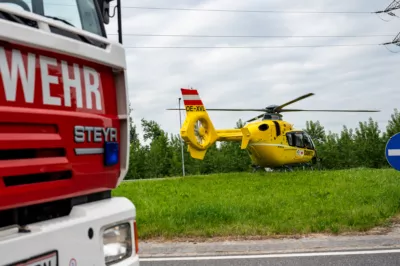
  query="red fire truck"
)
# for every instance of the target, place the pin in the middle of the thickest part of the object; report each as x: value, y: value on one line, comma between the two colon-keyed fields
x: 64, y: 140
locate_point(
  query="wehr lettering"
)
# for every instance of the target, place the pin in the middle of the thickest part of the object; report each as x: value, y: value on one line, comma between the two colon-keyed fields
x: 94, y: 134
x: 55, y: 76
x: 195, y: 108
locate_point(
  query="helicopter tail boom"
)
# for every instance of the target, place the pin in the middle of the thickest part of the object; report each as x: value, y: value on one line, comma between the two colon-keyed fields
x: 242, y: 135
x: 198, y: 131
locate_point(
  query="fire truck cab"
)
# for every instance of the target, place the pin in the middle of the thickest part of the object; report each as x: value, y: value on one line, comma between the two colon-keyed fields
x: 64, y: 140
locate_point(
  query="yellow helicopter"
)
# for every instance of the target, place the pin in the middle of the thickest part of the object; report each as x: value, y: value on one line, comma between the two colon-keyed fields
x: 270, y: 142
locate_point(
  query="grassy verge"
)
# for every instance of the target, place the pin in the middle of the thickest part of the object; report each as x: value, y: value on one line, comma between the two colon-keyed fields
x: 244, y: 204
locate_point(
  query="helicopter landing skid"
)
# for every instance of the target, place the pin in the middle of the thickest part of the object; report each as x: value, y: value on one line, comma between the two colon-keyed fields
x: 287, y: 168
x: 293, y: 167
x: 304, y: 166
x: 284, y: 168
x: 256, y: 168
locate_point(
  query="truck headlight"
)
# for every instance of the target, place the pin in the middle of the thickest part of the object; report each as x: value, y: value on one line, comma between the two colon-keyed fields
x: 117, y: 243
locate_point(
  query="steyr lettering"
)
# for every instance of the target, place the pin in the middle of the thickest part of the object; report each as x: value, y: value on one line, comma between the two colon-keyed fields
x: 195, y: 108
x: 94, y: 134
x: 23, y: 67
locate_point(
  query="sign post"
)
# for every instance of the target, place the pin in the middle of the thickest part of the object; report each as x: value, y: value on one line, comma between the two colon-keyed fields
x: 392, y: 151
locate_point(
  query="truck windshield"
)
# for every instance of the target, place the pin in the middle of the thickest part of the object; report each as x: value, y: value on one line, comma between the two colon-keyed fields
x: 82, y: 14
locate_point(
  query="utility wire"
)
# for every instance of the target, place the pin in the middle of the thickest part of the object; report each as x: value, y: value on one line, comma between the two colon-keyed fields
x: 248, y: 11
x: 253, y: 36
x: 228, y: 10
x: 388, y: 10
x: 250, y: 47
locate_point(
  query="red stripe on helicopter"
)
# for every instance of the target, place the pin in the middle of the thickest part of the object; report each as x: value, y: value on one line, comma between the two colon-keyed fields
x: 192, y: 102
x: 189, y: 92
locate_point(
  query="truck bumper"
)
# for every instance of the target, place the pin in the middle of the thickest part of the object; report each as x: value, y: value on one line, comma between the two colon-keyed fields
x: 68, y: 238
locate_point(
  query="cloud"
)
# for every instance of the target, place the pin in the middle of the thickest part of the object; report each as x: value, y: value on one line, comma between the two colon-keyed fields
x: 341, y: 77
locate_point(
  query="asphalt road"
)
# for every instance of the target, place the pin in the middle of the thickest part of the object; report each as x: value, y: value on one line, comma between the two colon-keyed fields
x: 353, y: 258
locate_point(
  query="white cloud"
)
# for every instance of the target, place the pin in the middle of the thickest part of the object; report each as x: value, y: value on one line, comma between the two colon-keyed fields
x: 341, y: 77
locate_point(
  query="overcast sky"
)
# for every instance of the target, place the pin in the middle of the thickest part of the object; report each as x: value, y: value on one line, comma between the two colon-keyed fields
x: 363, y: 77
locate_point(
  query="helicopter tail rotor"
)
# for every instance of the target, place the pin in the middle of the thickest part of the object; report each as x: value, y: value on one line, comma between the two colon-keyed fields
x: 197, y: 130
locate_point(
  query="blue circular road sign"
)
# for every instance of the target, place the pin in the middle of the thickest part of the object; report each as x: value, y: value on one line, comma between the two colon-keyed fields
x: 392, y: 151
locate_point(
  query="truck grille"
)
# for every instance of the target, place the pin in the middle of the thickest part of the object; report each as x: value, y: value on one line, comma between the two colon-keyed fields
x: 31, y: 153
x: 23, y: 164
x: 10, y: 181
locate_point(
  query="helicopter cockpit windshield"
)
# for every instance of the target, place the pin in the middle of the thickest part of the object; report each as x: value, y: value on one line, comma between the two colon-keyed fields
x: 300, y: 139
x: 308, y: 143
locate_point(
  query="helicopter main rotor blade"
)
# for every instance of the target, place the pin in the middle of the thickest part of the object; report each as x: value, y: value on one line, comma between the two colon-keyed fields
x: 254, y: 118
x: 226, y: 109
x: 308, y: 110
x: 279, y: 108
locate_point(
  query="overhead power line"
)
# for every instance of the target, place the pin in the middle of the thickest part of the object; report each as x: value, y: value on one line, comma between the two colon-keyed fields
x: 248, y: 11
x: 395, y: 5
x: 253, y: 36
x: 250, y: 47
x: 388, y: 10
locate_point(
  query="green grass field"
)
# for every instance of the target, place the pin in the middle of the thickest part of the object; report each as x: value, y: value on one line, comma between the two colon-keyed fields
x: 264, y: 204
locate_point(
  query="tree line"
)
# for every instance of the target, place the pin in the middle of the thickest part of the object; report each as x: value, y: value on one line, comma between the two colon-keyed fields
x: 160, y: 155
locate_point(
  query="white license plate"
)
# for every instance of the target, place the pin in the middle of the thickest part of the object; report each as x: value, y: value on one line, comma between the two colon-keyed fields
x: 48, y: 259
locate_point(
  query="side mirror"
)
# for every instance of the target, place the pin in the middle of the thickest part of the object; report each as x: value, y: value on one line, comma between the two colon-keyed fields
x: 105, y: 10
